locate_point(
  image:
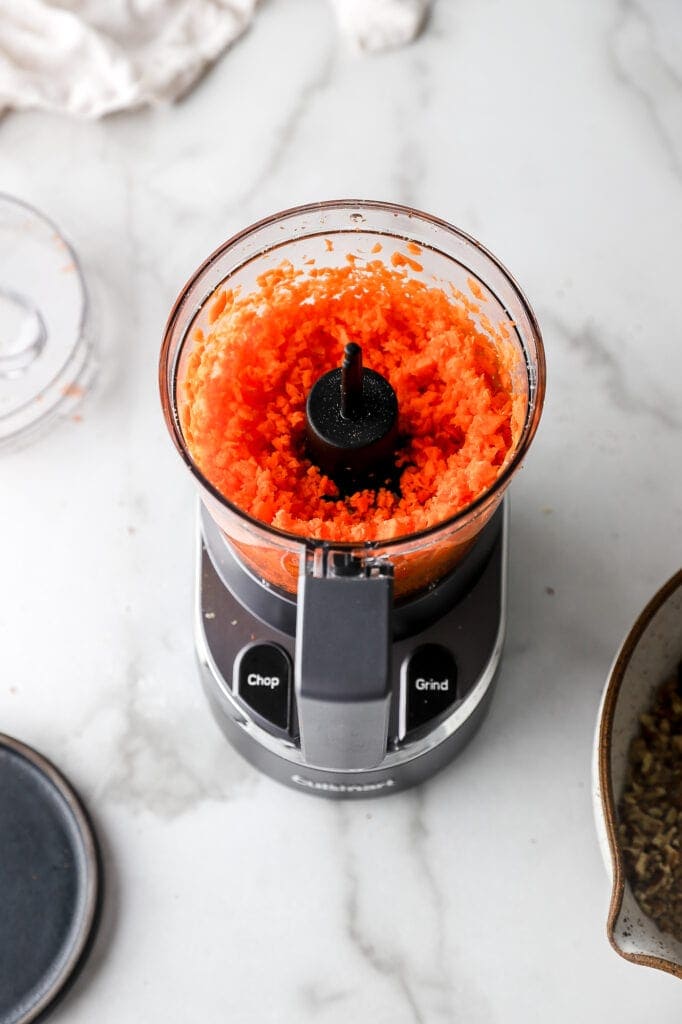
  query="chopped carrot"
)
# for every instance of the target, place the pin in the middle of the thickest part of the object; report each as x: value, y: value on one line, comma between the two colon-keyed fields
x: 398, y: 259
x: 244, y: 386
x: 475, y: 288
x: 376, y: 247
x: 413, y: 248
x: 217, y: 306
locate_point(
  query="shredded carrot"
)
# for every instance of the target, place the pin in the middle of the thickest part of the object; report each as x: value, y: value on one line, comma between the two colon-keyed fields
x: 413, y: 248
x: 376, y: 247
x: 399, y: 259
x: 475, y: 288
x: 217, y: 306
x: 329, y: 245
x: 244, y: 385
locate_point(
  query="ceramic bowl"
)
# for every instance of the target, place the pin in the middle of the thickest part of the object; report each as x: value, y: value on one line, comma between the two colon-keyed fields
x: 649, y: 654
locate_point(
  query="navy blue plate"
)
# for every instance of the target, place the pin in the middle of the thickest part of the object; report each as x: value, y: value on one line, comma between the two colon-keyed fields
x: 49, y: 883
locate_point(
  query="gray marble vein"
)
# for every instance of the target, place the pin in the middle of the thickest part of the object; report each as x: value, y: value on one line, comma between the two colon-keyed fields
x: 285, y: 134
x: 387, y: 964
x: 392, y: 966
x: 640, y: 399
x: 152, y: 765
x: 420, y: 978
x: 316, y: 998
x: 642, y: 67
x: 411, y: 163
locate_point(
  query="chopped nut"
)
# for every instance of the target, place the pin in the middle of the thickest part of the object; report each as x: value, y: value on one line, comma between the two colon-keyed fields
x: 641, y: 865
x: 651, y: 810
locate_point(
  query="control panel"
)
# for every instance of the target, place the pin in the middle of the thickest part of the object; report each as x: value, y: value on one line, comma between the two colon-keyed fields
x: 428, y: 686
x: 262, y: 679
x: 433, y: 670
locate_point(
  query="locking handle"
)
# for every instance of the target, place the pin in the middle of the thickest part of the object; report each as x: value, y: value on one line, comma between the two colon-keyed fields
x: 343, y: 666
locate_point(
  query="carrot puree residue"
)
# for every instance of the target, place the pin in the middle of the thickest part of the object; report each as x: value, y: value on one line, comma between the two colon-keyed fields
x: 244, y: 385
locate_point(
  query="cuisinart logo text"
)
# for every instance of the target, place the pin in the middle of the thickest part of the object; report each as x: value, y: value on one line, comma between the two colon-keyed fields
x: 341, y: 787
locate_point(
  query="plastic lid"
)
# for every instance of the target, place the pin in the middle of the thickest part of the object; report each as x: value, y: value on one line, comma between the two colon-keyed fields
x: 45, y: 357
x: 49, y: 896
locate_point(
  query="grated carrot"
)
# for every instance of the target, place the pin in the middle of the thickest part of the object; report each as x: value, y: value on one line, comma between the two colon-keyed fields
x: 217, y: 306
x: 399, y: 259
x: 475, y: 288
x: 244, y: 386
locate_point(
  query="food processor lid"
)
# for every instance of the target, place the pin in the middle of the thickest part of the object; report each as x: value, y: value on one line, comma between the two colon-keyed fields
x: 45, y: 356
x: 51, y: 883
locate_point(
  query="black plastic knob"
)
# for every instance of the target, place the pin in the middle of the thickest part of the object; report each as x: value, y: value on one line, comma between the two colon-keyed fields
x: 352, y: 421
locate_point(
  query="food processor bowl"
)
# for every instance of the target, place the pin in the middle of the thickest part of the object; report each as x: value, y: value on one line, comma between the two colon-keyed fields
x: 327, y: 235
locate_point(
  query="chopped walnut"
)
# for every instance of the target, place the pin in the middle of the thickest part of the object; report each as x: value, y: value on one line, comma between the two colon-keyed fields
x: 650, y: 811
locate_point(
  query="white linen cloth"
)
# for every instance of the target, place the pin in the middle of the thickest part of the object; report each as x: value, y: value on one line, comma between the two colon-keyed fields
x: 374, y: 25
x: 92, y: 57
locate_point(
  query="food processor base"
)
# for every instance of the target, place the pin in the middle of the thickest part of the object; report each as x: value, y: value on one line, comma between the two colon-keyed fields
x: 443, y: 674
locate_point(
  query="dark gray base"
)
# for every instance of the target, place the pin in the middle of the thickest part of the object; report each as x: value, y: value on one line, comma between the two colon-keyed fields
x: 344, y: 785
x: 473, y: 628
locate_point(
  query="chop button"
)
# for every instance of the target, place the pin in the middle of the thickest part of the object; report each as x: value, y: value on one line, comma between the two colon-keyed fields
x: 262, y: 678
x: 429, y: 685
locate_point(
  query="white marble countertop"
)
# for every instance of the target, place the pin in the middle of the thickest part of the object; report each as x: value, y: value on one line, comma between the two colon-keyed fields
x: 552, y: 132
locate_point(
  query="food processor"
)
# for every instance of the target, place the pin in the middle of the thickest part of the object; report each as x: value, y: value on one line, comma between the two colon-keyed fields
x: 353, y: 669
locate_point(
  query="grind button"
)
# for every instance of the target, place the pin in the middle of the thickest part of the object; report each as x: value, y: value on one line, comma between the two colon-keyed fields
x: 429, y: 685
x: 262, y: 678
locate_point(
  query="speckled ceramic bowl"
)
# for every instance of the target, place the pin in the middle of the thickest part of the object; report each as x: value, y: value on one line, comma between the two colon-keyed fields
x: 649, y: 654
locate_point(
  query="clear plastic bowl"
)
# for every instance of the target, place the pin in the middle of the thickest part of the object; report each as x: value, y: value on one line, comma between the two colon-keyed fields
x: 448, y: 257
x: 46, y: 353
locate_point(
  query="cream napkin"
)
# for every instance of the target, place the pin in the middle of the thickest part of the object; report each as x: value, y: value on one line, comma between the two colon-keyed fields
x: 92, y: 57
x: 373, y: 25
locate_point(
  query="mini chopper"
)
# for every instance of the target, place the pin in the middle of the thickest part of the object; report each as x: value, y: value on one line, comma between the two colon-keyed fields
x: 341, y: 669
